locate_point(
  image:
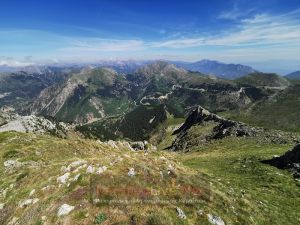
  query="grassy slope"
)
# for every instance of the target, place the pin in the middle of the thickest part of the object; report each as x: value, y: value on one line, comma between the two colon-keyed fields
x: 271, y: 196
x: 53, y: 153
x: 138, y: 125
x: 233, y: 183
x: 263, y: 80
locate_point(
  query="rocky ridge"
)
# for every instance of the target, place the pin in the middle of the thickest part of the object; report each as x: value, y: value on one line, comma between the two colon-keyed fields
x: 221, y: 128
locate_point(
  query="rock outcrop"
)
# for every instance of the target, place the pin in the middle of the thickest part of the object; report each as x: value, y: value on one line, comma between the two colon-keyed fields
x: 222, y: 128
x: 34, y: 124
x: 225, y: 128
x: 290, y: 160
x: 219, y: 128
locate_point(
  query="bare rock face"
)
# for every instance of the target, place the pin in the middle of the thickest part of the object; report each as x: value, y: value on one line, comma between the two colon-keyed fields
x: 223, y: 128
x: 34, y: 124
x: 290, y: 160
x: 47, y: 101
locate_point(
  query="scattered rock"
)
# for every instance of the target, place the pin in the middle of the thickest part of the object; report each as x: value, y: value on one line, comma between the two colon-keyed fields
x: 200, y: 212
x: 12, y: 164
x: 63, y: 179
x: 112, y: 144
x: 215, y: 220
x: 47, y: 187
x: 44, y: 218
x: 79, y: 168
x: 76, y: 177
x: 90, y: 169
x: 2, y: 206
x: 76, y: 164
x: 28, y: 202
x: 138, y: 145
x: 131, y: 172
x: 101, y: 169
x: 180, y: 213
x: 127, y: 145
x: 65, y: 209
x: 32, y: 192
x: 64, y: 169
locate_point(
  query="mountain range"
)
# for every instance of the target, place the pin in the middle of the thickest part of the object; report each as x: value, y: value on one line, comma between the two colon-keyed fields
x: 294, y: 76
x: 219, y: 69
x: 103, y: 97
x: 210, y: 67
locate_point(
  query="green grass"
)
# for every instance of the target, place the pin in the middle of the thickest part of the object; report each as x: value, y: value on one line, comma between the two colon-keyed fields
x: 223, y: 178
x: 100, y: 218
x: 259, y: 193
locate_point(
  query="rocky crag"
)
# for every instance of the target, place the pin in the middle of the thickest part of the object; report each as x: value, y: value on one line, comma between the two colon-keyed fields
x: 216, y: 127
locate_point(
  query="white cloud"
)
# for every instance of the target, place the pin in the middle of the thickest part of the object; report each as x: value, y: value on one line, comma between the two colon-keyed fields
x: 104, y: 45
x: 260, y: 30
x: 11, y: 62
x: 235, y: 13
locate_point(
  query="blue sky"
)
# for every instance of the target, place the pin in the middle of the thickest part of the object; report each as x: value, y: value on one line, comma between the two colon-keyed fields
x: 264, y: 34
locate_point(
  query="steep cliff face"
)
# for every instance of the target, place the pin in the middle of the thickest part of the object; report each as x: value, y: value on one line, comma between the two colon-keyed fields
x: 52, y: 99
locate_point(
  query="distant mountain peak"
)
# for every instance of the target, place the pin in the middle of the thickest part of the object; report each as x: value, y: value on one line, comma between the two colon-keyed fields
x: 294, y: 75
x: 160, y: 67
x: 219, y: 69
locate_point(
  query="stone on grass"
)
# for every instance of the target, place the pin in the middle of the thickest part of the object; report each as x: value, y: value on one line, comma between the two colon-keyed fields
x: 2, y: 206
x: 76, y: 164
x: 215, y: 220
x: 131, y: 172
x: 28, y: 202
x: 63, y: 179
x: 90, y: 169
x: 44, y: 218
x: 11, y: 164
x: 101, y: 169
x: 65, y: 209
x: 76, y: 177
x: 32, y: 192
x: 200, y: 212
x: 180, y: 213
x: 112, y: 144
